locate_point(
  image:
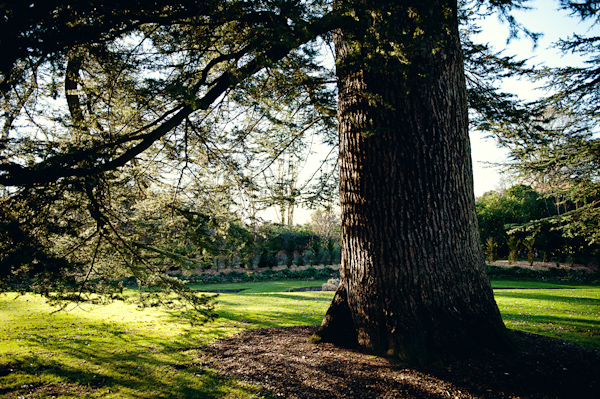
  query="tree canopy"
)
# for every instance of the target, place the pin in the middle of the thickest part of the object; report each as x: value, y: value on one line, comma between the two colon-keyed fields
x: 554, y: 145
x: 108, y: 107
x: 132, y: 128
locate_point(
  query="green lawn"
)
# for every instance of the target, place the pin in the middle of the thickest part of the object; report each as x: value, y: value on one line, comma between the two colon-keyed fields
x: 566, y: 311
x: 269, y: 304
x: 121, y: 352
x: 114, y: 351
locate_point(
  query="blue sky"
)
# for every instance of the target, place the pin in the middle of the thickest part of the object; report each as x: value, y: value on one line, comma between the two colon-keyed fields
x: 553, y: 24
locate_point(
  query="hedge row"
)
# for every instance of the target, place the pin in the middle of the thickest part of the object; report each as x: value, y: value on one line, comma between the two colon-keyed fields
x: 311, y: 273
x: 552, y: 274
x: 235, y: 276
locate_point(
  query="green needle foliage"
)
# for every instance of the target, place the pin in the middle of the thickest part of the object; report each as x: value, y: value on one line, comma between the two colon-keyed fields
x: 124, y: 148
x: 555, y: 147
x: 136, y: 136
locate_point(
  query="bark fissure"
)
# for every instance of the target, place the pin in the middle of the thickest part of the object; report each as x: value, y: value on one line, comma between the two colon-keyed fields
x: 413, y: 274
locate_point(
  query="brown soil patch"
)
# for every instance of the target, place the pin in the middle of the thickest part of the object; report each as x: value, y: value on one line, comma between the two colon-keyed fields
x: 47, y: 391
x: 281, y: 361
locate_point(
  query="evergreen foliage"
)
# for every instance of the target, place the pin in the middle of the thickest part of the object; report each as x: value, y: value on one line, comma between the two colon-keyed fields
x: 138, y: 137
x: 554, y: 146
x: 520, y: 222
x: 126, y: 151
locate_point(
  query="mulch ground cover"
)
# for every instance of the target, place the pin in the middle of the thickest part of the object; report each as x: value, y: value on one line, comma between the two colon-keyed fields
x: 281, y: 361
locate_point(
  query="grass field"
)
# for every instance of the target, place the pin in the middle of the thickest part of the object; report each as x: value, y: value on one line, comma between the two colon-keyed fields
x: 566, y: 311
x: 121, y: 352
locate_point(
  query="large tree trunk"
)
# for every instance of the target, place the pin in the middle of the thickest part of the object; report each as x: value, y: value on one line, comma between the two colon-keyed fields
x: 413, y: 275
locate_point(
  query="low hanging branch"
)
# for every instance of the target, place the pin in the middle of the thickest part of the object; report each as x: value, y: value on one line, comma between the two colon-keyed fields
x: 85, y: 162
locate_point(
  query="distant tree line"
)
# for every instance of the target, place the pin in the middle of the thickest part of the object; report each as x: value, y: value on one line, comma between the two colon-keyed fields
x: 225, y: 242
x: 298, y: 245
x: 521, y: 222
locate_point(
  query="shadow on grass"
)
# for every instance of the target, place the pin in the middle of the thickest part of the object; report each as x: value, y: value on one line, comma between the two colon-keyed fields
x: 553, y: 298
x: 191, y: 382
x: 273, y: 309
x: 143, y: 366
x: 583, y: 331
x: 271, y: 318
x: 562, y: 321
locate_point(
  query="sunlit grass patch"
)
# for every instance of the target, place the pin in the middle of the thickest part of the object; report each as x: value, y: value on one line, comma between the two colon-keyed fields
x: 566, y: 311
x: 119, y: 351
x: 106, y: 351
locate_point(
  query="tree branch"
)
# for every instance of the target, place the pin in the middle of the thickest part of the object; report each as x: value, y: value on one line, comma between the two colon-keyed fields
x: 60, y: 166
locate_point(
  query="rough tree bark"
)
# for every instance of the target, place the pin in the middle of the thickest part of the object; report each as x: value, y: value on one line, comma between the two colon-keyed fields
x: 413, y: 274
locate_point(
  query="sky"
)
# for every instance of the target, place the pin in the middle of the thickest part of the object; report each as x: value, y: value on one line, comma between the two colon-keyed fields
x: 553, y: 24
x: 544, y: 18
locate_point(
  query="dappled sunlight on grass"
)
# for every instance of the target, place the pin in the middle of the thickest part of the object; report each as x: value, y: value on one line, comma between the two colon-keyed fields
x: 119, y: 351
x: 265, y: 309
x: 561, y: 311
x: 101, y: 351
